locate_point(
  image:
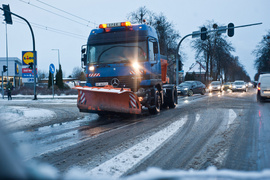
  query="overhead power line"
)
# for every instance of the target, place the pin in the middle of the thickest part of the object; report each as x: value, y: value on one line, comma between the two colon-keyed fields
x: 66, y: 12
x: 54, y: 13
x: 70, y: 34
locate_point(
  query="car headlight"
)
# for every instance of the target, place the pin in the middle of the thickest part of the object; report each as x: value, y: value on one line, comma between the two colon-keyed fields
x: 218, y: 87
x: 186, y: 89
x: 234, y: 86
x: 243, y: 86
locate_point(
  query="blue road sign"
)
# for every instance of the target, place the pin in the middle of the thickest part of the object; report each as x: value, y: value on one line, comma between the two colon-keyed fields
x: 52, y: 68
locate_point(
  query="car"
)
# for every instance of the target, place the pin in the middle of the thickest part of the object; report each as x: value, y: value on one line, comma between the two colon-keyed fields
x: 227, y: 85
x: 239, y: 86
x: 188, y: 88
x: 263, y: 87
x: 215, y: 86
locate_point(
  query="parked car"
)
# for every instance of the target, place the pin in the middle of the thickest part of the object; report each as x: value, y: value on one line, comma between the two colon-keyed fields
x: 227, y: 85
x: 239, y: 86
x: 188, y: 88
x: 215, y: 86
x: 263, y: 87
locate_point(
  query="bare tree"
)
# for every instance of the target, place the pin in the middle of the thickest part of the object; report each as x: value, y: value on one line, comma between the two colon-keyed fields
x: 216, y: 51
x: 78, y: 73
x: 167, y: 36
x: 42, y: 75
x: 140, y: 15
x: 262, y: 53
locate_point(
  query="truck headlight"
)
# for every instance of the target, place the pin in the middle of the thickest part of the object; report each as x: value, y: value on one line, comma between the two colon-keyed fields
x: 136, y: 65
x: 91, y: 68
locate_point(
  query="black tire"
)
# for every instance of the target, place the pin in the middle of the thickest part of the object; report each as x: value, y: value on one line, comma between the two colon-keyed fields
x: 190, y: 93
x: 154, y: 109
x: 203, y: 92
x: 259, y: 97
x: 172, y: 99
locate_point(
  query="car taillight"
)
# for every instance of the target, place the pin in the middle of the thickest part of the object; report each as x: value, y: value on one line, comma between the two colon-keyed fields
x: 259, y: 86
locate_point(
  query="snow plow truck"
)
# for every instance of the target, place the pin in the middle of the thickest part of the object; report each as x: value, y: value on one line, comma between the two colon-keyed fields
x: 124, y: 71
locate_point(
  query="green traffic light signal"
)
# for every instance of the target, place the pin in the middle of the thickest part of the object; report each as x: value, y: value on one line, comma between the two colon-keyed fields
x: 31, y: 65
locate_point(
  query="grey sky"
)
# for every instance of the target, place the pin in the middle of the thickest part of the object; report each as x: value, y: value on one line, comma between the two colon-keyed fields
x: 186, y: 15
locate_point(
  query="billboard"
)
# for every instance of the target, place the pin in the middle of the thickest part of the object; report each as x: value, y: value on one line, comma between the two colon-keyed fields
x: 27, y: 73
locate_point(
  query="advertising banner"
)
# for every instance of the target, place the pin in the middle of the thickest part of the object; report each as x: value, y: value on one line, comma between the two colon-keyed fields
x: 27, y: 73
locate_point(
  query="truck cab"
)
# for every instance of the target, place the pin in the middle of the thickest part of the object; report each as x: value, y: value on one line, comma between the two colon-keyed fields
x: 122, y: 55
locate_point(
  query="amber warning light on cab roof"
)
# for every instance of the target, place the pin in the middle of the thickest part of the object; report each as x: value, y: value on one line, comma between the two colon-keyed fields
x: 118, y: 24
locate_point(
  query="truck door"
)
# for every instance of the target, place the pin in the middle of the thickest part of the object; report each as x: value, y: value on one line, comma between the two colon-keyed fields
x: 154, y: 58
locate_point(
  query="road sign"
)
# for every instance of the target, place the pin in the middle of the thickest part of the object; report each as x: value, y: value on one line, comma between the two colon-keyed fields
x: 52, y: 68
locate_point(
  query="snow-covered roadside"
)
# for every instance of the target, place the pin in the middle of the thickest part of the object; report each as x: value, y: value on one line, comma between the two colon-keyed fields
x: 62, y: 96
x: 14, y: 117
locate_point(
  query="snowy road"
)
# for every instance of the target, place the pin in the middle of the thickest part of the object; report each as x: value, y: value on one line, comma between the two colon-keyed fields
x: 225, y: 130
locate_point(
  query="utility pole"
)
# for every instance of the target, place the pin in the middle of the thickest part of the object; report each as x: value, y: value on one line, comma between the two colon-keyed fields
x: 58, y: 57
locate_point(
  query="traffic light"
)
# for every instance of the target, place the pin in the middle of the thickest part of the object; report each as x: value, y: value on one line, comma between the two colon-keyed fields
x: 5, y: 68
x: 7, y: 14
x: 31, y: 65
x: 203, y: 33
x: 230, y: 29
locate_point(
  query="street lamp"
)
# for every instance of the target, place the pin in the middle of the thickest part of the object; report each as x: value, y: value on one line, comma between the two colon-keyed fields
x: 58, y: 56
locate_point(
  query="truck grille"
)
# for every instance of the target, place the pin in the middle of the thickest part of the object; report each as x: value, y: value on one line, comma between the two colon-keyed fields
x: 124, y: 81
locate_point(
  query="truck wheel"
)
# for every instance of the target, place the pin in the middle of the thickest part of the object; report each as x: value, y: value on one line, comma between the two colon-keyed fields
x: 173, y: 99
x: 154, y: 109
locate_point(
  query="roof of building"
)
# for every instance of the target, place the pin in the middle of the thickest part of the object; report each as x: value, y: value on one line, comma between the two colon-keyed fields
x: 17, y: 60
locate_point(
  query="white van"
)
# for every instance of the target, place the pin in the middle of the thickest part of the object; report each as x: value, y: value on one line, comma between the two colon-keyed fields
x: 263, y: 87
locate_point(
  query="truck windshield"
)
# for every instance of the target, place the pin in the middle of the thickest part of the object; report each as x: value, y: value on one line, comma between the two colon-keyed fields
x: 117, y: 53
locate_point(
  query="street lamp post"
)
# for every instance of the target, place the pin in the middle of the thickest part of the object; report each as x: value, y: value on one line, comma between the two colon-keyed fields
x: 58, y: 57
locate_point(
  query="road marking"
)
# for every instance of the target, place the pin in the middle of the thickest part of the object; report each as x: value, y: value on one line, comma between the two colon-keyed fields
x: 197, y: 117
x: 232, y: 117
x: 120, y: 164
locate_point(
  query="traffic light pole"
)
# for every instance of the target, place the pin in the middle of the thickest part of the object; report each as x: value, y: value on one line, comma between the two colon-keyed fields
x: 7, y: 50
x: 198, y: 33
x: 34, y: 50
x: 176, y: 57
x: 2, y: 85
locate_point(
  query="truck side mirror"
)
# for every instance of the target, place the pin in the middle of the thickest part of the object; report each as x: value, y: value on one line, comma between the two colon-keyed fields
x: 155, y: 47
x: 83, y: 50
x: 84, y: 60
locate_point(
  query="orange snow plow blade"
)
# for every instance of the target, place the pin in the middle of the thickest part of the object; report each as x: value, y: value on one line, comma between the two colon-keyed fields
x: 107, y: 99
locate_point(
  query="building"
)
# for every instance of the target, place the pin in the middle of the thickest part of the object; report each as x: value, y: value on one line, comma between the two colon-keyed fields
x: 14, y: 71
x: 198, y: 70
